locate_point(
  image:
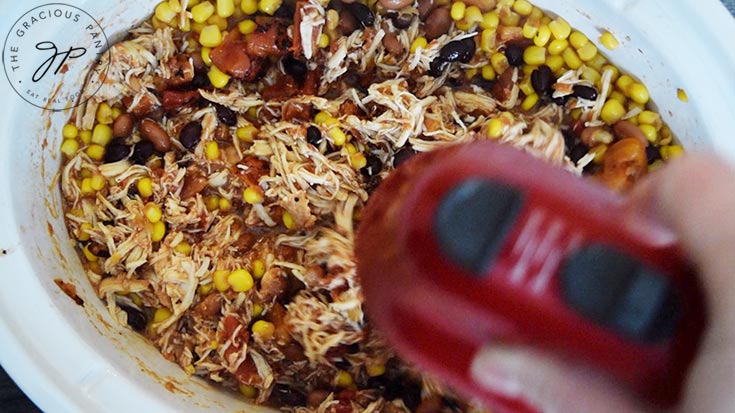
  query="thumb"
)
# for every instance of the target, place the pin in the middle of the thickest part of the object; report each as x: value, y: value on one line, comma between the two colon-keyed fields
x: 549, y: 384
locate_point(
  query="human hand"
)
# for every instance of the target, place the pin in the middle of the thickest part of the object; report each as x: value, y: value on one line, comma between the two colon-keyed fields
x: 695, y: 197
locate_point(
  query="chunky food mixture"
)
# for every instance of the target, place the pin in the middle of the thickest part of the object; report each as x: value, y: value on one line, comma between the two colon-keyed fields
x: 214, y: 183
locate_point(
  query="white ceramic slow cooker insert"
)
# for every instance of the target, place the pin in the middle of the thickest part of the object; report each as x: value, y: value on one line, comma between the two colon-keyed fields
x: 70, y: 358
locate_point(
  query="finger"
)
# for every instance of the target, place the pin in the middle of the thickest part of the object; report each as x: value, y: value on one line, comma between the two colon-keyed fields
x: 549, y: 384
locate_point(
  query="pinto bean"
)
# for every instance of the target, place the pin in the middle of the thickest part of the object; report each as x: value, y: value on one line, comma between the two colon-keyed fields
x: 623, y: 164
x: 210, y: 306
x: 437, y: 23
x: 626, y: 129
x: 232, y: 58
x: 483, y: 5
x: 173, y: 99
x: 425, y: 7
x: 392, y: 44
x: 395, y: 4
x: 153, y: 132
x: 194, y: 183
x: 596, y: 135
x: 122, y: 127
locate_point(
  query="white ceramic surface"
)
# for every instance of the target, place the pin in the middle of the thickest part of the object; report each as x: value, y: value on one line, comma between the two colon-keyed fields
x: 69, y: 358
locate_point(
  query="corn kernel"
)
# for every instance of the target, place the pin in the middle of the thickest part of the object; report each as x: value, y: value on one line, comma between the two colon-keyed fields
x: 145, y: 187
x: 522, y: 7
x: 529, y: 30
x: 419, y: 42
x: 246, y: 133
x: 587, y: 52
x: 599, y: 152
x: 650, y: 132
x: 264, y: 329
x: 671, y: 151
x: 351, y: 149
x: 269, y: 7
x: 224, y: 204
x: 288, y: 221
x: 472, y: 15
x: 682, y: 95
x: 258, y: 269
x: 102, y: 134
x: 612, y: 112
x: 219, y: 279
x: 609, y: 41
x: 249, y: 392
x: 247, y: 26
x: 211, y: 36
x: 358, y: 160
x: 97, y: 182
x: 534, y: 55
x: 639, y: 93
x: 164, y: 13
x: 529, y: 102
x: 375, y: 370
x: 158, y: 231
x: 198, y: 27
x: 542, y: 36
x: 225, y: 8
x: 487, y: 40
x: 104, y: 114
x: 152, y: 212
x: 183, y: 248
x: 571, y: 59
x: 162, y: 314
x: 338, y: 136
x: 488, y: 73
x: 511, y: 19
x: 577, y: 39
x: 615, y: 95
x: 555, y: 63
x: 175, y: 6
x: 85, y: 136
x: 205, y: 289
x: 321, y: 117
x: 69, y: 147
x: 88, y: 254
x: 240, y: 280
x: 490, y: 21
x: 457, y: 11
x: 499, y: 62
x: 211, y: 202
x: 257, y: 310
x: 557, y: 46
x: 560, y: 28
x: 202, y: 11
x: 343, y: 378
x: 211, y: 150
x: 623, y: 83
x: 613, y: 69
x: 249, y: 7
x: 495, y: 128
x: 82, y: 232
x: 323, y: 41
x: 96, y: 152
x: 526, y: 86
x: 591, y: 75
x: 650, y: 118
x: 69, y: 131
x: 253, y: 195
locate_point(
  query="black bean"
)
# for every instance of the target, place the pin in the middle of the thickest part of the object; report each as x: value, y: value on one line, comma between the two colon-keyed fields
x: 437, y: 67
x: 514, y: 54
x: 653, y: 153
x: 190, y: 135
x: 483, y: 83
x: 287, y: 396
x: 343, y: 365
x: 142, y: 151
x: 458, y: 50
x: 294, y: 67
x: 401, y: 20
x: 362, y: 13
x: 200, y: 80
x: 578, y: 152
x: 116, y: 150
x: 411, y: 393
x: 373, y: 166
x: 226, y: 115
x: 403, y: 155
x: 542, y: 79
x: 136, y: 318
x: 313, y: 135
x: 561, y: 100
x: 353, y: 348
x: 584, y: 92
x: 286, y: 10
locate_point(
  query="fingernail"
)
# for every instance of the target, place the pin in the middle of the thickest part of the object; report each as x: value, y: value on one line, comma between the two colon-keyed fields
x: 493, y: 369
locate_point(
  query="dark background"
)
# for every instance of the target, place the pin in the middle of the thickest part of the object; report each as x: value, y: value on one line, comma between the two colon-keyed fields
x: 12, y: 400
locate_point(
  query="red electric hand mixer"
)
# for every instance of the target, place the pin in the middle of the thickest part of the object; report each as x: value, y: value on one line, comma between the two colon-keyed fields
x: 483, y: 243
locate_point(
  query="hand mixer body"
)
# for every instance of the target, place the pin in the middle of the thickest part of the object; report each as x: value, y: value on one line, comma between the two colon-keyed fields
x: 483, y: 243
